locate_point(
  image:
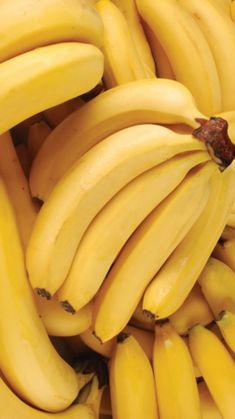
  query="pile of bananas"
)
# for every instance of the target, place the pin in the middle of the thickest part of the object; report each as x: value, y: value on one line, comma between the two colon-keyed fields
x: 117, y: 209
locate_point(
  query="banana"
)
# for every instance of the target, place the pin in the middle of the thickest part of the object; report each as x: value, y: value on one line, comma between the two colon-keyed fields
x: 174, y: 281
x: 17, y: 187
x: 231, y: 220
x: 226, y: 323
x: 194, y: 310
x: 86, y: 188
x: 129, y: 10
x: 140, y: 102
x: 140, y: 320
x: 223, y: 6
x: 24, y: 158
x: 217, y: 368
x: 38, y: 132
x: 145, y: 339
x: 208, y: 406
x: 210, y: 18
x: 105, y: 407
x: 187, y: 49
x: 232, y: 10
x: 224, y: 251
x: 146, y: 251
x: 55, y: 115
x: 228, y: 233
x: 27, y: 79
x: 35, y: 24
x: 185, y: 338
x: 115, y: 223
x: 162, y: 63
x: 122, y: 63
x: 132, y: 387
x: 217, y: 282
x: 174, y: 376
x: 27, y: 358
x: 10, y: 405
x: 58, y: 323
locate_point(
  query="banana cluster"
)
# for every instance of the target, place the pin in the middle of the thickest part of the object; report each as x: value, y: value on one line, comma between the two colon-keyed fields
x: 117, y: 214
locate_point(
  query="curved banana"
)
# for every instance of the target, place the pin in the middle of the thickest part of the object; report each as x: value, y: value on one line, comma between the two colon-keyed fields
x: 217, y: 282
x: 210, y: 18
x: 174, y: 376
x: 140, y: 320
x: 208, y: 406
x: 145, y: 339
x: 225, y: 251
x: 226, y: 323
x: 187, y: 49
x: 17, y: 187
x: 10, y: 405
x: 34, y: 24
x: 129, y: 10
x: 132, y: 386
x: 38, y: 132
x: 174, y: 281
x: 86, y: 188
x: 122, y: 63
x: 140, y: 102
x: 223, y: 6
x: 28, y: 360
x: 194, y: 310
x: 26, y: 78
x: 217, y: 367
x: 147, y: 250
x: 59, y: 323
x: 115, y: 223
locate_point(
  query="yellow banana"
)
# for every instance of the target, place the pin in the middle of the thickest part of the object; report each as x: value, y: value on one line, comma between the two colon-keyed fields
x: 226, y: 323
x: 86, y: 188
x: 178, y: 34
x: 33, y: 24
x: 27, y: 358
x: 231, y: 220
x: 55, y: 115
x: 224, y: 251
x: 122, y: 63
x: 217, y: 367
x: 197, y: 373
x: 115, y: 223
x: 223, y: 6
x: 194, y: 310
x: 232, y: 10
x: 132, y: 387
x: 208, y: 406
x: 59, y: 323
x: 140, y: 102
x: 129, y: 10
x: 174, y: 376
x: 146, y: 251
x: 17, y: 187
x: 177, y: 277
x: 27, y: 79
x: 38, y: 132
x: 140, y: 320
x: 217, y: 282
x: 210, y: 18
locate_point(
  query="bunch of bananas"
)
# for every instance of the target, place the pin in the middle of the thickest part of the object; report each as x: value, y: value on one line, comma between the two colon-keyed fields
x: 117, y: 214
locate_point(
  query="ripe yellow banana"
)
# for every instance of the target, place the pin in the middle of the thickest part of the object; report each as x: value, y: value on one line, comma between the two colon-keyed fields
x: 140, y: 320
x: 115, y: 223
x: 122, y: 63
x: 132, y: 386
x: 58, y: 323
x: 223, y: 6
x: 147, y: 250
x: 187, y: 49
x: 176, y: 385
x: 140, y: 102
x: 27, y: 358
x: 225, y: 251
x: 217, y: 367
x: 210, y: 18
x: 232, y: 10
x: 86, y: 188
x: 38, y: 132
x: 177, y: 277
x: 226, y: 323
x: 194, y: 310
x: 35, y: 80
x: 17, y: 187
x: 34, y: 24
x: 129, y: 10
x: 217, y: 282
x: 208, y: 406
x: 231, y: 220
x: 145, y: 339
x: 11, y: 405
